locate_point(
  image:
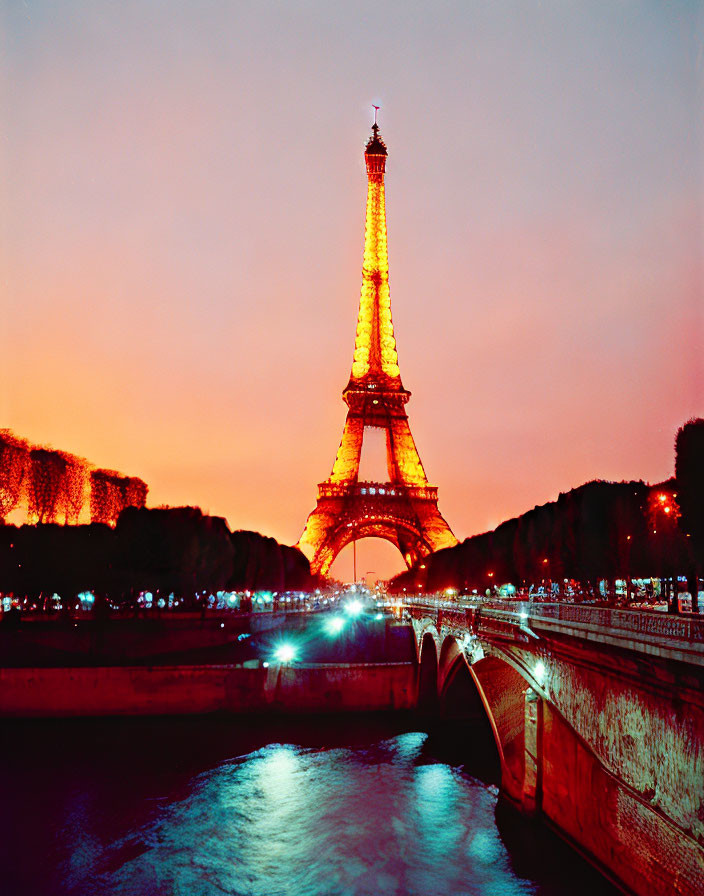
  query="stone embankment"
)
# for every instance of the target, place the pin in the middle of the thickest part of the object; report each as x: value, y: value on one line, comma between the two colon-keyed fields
x: 222, y: 664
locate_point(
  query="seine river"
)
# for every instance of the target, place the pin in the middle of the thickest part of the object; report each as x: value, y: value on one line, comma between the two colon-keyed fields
x: 202, y: 807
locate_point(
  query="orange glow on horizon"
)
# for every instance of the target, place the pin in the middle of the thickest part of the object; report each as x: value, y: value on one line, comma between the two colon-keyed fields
x: 182, y: 284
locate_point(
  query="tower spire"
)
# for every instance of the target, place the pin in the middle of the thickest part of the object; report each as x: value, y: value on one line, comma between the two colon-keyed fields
x: 375, y: 357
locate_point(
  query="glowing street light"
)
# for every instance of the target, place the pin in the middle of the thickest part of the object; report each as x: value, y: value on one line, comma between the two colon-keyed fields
x: 335, y: 625
x: 285, y: 654
x: 354, y: 608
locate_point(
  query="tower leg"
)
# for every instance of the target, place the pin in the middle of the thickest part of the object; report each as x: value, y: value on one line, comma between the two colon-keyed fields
x: 346, y: 466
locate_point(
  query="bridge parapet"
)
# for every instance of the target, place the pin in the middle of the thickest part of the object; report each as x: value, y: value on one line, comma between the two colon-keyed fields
x: 657, y: 634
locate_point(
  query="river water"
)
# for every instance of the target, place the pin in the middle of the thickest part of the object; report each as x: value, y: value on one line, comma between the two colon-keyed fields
x: 202, y: 807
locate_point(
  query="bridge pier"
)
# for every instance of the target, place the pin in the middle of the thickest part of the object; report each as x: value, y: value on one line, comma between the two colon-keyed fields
x: 532, y: 760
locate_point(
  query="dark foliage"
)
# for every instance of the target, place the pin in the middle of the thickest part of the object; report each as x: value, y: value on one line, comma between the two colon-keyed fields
x: 111, y: 493
x: 261, y: 562
x: 47, y: 469
x: 601, y: 530
x: 14, y: 455
x: 177, y: 550
x: 689, y: 476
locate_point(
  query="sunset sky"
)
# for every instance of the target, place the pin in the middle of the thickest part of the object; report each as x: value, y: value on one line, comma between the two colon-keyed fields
x: 183, y: 197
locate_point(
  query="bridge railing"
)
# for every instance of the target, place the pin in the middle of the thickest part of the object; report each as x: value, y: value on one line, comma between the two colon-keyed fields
x: 639, y: 623
x: 636, y: 622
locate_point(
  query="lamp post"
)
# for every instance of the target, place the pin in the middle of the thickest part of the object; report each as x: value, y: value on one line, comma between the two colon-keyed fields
x: 490, y: 576
x: 546, y: 569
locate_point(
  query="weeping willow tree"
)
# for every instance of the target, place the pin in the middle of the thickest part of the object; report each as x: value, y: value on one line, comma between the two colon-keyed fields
x: 47, y: 469
x: 74, y: 487
x: 111, y: 493
x: 14, y: 455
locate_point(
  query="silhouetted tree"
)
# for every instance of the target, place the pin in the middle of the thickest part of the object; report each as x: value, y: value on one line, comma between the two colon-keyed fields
x: 74, y: 484
x: 175, y: 549
x: 689, y: 476
x: 135, y: 492
x: 260, y: 562
x: 47, y: 469
x: 111, y: 493
x: 13, y: 464
x: 104, y: 501
x: 600, y: 530
x: 164, y: 550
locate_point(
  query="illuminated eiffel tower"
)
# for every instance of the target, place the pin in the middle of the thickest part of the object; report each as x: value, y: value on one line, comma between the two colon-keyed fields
x: 404, y: 509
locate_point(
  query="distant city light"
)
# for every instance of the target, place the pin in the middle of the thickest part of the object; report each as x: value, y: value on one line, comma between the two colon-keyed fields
x: 354, y: 608
x: 379, y: 616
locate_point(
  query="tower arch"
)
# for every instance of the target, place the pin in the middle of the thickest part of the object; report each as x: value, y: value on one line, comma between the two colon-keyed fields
x: 358, y: 520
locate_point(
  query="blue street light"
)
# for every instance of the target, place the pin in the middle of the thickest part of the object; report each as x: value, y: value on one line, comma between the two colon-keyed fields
x: 335, y: 625
x: 285, y: 654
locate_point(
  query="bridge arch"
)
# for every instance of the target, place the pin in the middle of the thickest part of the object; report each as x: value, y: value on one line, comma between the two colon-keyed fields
x: 494, y: 691
x: 450, y: 653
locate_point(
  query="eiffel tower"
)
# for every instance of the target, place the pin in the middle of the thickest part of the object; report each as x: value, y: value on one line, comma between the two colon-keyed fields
x: 404, y: 509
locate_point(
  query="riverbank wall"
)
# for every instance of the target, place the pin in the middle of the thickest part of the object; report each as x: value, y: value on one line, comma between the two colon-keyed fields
x: 163, y: 690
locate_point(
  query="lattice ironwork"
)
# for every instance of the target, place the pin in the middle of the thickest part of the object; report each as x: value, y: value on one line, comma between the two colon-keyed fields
x: 404, y: 509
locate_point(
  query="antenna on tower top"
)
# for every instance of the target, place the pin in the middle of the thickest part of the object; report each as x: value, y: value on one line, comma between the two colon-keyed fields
x: 376, y: 109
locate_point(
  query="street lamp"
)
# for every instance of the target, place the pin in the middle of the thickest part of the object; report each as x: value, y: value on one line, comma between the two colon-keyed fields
x: 335, y: 625
x: 285, y: 654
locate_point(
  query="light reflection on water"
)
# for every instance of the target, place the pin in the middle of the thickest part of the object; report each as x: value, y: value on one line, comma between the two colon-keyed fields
x: 380, y: 817
x: 286, y: 820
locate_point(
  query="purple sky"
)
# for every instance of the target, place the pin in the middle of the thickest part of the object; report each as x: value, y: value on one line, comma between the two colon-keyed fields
x: 183, y: 209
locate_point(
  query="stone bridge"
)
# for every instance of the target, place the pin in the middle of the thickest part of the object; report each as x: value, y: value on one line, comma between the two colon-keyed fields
x: 598, y: 718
